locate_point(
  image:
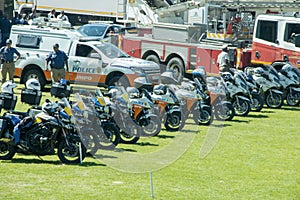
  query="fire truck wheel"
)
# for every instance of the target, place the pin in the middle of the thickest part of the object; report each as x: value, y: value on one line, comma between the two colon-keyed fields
x: 153, y: 58
x: 118, y: 81
x: 35, y: 73
x: 176, y: 65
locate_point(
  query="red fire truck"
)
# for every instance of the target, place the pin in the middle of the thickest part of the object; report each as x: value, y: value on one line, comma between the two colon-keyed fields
x: 253, y: 39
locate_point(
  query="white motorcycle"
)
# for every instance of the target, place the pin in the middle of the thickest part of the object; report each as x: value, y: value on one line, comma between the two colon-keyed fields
x: 291, y: 84
x: 237, y: 94
x: 140, y: 108
x: 242, y: 80
x: 268, y: 87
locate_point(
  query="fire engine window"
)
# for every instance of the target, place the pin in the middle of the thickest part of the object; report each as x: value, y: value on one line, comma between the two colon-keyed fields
x: 267, y: 30
x: 83, y: 50
x: 291, y: 30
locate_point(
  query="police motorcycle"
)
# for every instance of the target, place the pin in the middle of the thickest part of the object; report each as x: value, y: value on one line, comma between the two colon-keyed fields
x: 106, y: 134
x: 167, y: 105
x: 41, y: 134
x: 291, y: 84
x: 222, y: 108
x: 193, y: 99
x: 238, y: 94
x: 247, y: 82
x: 269, y: 86
x: 117, y: 111
x: 140, y: 108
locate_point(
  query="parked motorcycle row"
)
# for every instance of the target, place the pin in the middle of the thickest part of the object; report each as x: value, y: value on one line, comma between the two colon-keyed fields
x: 96, y: 120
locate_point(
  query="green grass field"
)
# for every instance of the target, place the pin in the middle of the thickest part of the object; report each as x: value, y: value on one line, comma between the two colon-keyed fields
x: 254, y: 157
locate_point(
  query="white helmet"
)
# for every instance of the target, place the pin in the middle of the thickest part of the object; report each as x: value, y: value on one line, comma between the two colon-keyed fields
x: 33, y: 84
x: 8, y: 87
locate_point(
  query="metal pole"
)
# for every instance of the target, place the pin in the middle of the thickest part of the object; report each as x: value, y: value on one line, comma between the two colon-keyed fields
x: 151, y: 185
x: 80, y: 153
x: 125, y: 10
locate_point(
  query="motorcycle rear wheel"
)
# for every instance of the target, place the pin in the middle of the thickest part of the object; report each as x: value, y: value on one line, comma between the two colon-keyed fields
x: 7, y: 151
x: 69, y: 153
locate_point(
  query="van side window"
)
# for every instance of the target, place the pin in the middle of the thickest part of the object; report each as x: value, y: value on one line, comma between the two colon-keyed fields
x: 267, y: 30
x: 83, y: 50
x: 291, y: 30
x: 28, y: 41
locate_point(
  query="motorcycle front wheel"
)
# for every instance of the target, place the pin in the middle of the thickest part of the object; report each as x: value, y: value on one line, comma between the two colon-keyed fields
x: 131, y: 134
x: 224, y: 111
x: 293, y: 98
x: 69, y: 152
x: 274, y: 100
x: 173, y: 121
x: 7, y: 151
x: 204, y: 118
x: 90, y: 140
x: 256, y: 103
x: 241, y: 107
x: 111, y: 137
x: 151, y: 126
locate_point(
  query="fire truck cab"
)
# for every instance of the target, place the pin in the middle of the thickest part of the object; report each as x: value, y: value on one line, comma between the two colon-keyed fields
x: 276, y: 38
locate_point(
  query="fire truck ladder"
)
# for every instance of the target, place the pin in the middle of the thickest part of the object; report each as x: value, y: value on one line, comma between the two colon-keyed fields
x: 135, y: 10
x: 267, y: 4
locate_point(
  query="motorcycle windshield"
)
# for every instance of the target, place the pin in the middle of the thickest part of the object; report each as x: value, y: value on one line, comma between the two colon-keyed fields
x: 67, y: 106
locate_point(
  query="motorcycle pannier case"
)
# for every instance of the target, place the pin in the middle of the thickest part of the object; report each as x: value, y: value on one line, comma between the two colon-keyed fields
x: 60, y: 90
x: 8, y: 101
x: 31, y: 97
x: 4, y: 125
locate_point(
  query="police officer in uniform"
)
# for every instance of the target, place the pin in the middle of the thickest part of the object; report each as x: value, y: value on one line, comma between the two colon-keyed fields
x: 7, y: 59
x: 58, y: 59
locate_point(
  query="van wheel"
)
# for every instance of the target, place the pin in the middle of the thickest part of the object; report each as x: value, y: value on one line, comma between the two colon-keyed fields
x: 176, y: 65
x: 119, y: 80
x: 37, y: 74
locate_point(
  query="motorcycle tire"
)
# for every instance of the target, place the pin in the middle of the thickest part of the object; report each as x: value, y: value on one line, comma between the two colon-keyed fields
x: 174, y: 122
x: 256, y: 103
x: 241, y: 108
x: 91, y: 142
x: 7, y: 151
x: 68, y: 153
x: 152, y: 126
x: 111, y: 136
x: 131, y: 135
x: 225, y: 112
x: 206, y: 117
x: 293, y: 98
x: 274, y: 102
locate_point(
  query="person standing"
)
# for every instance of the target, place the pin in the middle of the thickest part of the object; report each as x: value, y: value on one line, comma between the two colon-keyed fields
x: 58, y: 59
x: 51, y: 14
x: 62, y: 16
x: 7, y: 60
x: 223, y: 60
x: 5, y: 26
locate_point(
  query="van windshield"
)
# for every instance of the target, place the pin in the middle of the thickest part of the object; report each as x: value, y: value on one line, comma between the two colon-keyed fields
x: 111, y: 51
